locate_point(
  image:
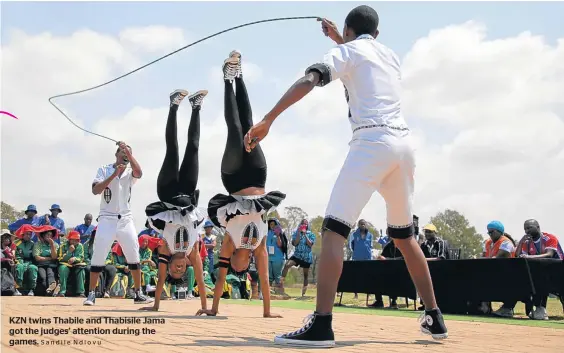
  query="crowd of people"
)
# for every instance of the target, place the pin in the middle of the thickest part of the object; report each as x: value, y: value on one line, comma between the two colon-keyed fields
x: 46, y: 259
x: 499, y: 244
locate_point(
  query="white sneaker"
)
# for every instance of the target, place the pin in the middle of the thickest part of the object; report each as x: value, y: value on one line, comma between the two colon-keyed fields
x: 504, y: 312
x: 149, y: 288
x: 30, y: 294
x: 540, y: 314
x: 17, y: 292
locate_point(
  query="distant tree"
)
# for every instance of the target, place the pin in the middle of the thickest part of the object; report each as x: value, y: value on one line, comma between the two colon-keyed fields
x: 453, y: 227
x: 9, y: 214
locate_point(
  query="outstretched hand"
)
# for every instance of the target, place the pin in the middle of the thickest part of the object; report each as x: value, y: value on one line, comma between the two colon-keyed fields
x: 272, y: 316
x: 256, y: 134
x: 149, y: 308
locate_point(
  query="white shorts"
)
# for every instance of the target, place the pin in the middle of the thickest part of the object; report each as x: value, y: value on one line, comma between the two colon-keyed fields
x: 382, y: 161
x: 111, y: 228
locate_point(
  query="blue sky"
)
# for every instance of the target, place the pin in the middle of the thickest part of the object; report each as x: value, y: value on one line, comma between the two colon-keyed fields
x: 281, y: 48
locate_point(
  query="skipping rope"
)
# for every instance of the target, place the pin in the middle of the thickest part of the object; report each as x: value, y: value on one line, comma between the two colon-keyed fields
x: 161, y: 58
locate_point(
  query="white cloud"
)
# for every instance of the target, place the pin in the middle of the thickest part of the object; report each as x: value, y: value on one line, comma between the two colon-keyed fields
x: 153, y: 38
x: 487, y: 117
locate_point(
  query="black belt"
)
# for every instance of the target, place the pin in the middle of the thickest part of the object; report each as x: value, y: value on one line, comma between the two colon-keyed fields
x: 381, y: 125
x: 106, y: 215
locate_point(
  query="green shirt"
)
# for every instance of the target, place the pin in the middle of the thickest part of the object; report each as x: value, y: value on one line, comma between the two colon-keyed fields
x: 65, y: 254
x: 44, y: 250
x: 24, y: 252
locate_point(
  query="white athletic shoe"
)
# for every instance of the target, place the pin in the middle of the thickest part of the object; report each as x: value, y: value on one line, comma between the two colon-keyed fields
x: 91, y: 300
x: 149, y: 288
x: 177, y: 96
x: 539, y: 314
x: 197, y: 98
x: 232, y: 66
x: 30, y: 293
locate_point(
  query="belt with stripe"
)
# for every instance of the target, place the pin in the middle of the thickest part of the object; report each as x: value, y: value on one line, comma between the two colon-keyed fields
x: 399, y: 128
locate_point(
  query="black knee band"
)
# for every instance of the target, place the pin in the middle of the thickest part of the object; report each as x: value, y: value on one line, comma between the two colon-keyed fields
x: 133, y: 266
x: 97, y: 269
x: 165, y: 259
x: 403, y: 232
x: 336, y: 226
x: 224, y: 262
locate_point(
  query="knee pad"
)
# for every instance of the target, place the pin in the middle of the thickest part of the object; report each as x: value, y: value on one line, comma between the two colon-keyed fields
x: 404, y: 232
x: 133, y: 266
x: 336, y: 226
x: 97, y: 269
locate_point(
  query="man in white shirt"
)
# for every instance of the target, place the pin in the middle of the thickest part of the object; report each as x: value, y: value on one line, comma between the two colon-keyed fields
x: 114, y: 182
x: 381, y: 158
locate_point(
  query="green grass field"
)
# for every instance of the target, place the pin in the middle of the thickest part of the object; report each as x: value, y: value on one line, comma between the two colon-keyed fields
x: 353, y: 306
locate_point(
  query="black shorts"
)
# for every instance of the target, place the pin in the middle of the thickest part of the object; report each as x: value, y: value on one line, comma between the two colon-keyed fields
x: 300, y: 263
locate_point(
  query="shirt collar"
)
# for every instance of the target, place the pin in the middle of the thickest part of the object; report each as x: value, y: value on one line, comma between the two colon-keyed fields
x: 365, y: 36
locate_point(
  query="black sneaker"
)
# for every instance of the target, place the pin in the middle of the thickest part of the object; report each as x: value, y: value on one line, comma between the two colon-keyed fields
x: 141, y: 298
x: 432, y: 323
x: 197, y: 98
x: 177, y: 96
x: 91, y: 300
x: 317, y: 332
x: 232, y: 66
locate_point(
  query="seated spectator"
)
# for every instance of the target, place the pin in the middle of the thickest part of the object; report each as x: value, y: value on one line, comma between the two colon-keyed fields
x: 434, y: 248
x: 54, y: 220
x: 537, y: 244
x: 120, y: 263
x: 7, y: 254
x: 388, y: 252
x: 107, y: 276
x: 85, y: 229
x: 71, y: 263
x: 500, y: 244
x: 148, y: 266
x: 24, y: 260
x: 45, y: 254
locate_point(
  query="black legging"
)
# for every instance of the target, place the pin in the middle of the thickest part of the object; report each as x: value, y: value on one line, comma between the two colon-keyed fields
x: 239, y: 169
x: 172, y: 183
x: 45, y: 276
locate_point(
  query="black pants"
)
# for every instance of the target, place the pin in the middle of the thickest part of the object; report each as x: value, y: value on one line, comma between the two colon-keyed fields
x: 538, y: 300
x: 106, y: 278
x: 240, y: 169
x: 45, y: 276
x: 173, y: 185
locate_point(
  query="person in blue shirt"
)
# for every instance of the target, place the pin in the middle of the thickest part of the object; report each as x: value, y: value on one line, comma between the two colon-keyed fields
x: 30, y: 218
x: 361, y: 244
x: 54, y: 220
x: 277, y: 247
x: 149, y: 231
x: 303, y: 240
x: 85, y: 229
x: 210, y: 243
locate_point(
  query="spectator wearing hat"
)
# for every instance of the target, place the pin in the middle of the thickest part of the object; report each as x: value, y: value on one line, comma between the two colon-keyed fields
x: 210, y: 243
x: 54, y: 220
x: 85, y: 229
x: 277, y: 245
x: 7, y: 254
x: 30, y: 218
x: 500, y: 244
x: 25, y: 269
x: 45, y: 253
x: 71, y: 263
x: 434, y: 248
x: 148, y: 266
